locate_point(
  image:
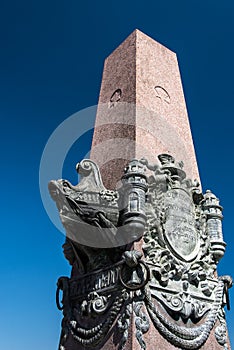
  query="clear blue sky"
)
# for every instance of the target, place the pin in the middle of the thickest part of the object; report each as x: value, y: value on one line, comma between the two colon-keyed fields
x: 51, y: 62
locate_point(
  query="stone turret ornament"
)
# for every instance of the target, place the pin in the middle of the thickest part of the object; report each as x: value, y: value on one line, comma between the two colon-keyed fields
x: 213, y: 212
x: 133, y: 197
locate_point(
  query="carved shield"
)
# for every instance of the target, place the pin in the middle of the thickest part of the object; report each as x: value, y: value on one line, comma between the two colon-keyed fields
x: 179, y: 228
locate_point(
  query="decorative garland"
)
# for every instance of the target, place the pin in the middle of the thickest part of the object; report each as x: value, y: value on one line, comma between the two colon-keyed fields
x: 93, y: 336
x: 182, y: 336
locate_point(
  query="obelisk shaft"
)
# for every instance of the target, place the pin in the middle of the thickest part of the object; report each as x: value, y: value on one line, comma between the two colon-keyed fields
x: 141, y: 110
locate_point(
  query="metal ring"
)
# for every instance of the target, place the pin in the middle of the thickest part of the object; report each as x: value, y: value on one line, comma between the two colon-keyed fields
x: 57, y: 299
x: 227, y: 296
x: 139, y: 286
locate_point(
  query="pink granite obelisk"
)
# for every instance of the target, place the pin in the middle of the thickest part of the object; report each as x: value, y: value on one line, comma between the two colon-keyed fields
x: 141, y: 110
x: 142, y: 113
